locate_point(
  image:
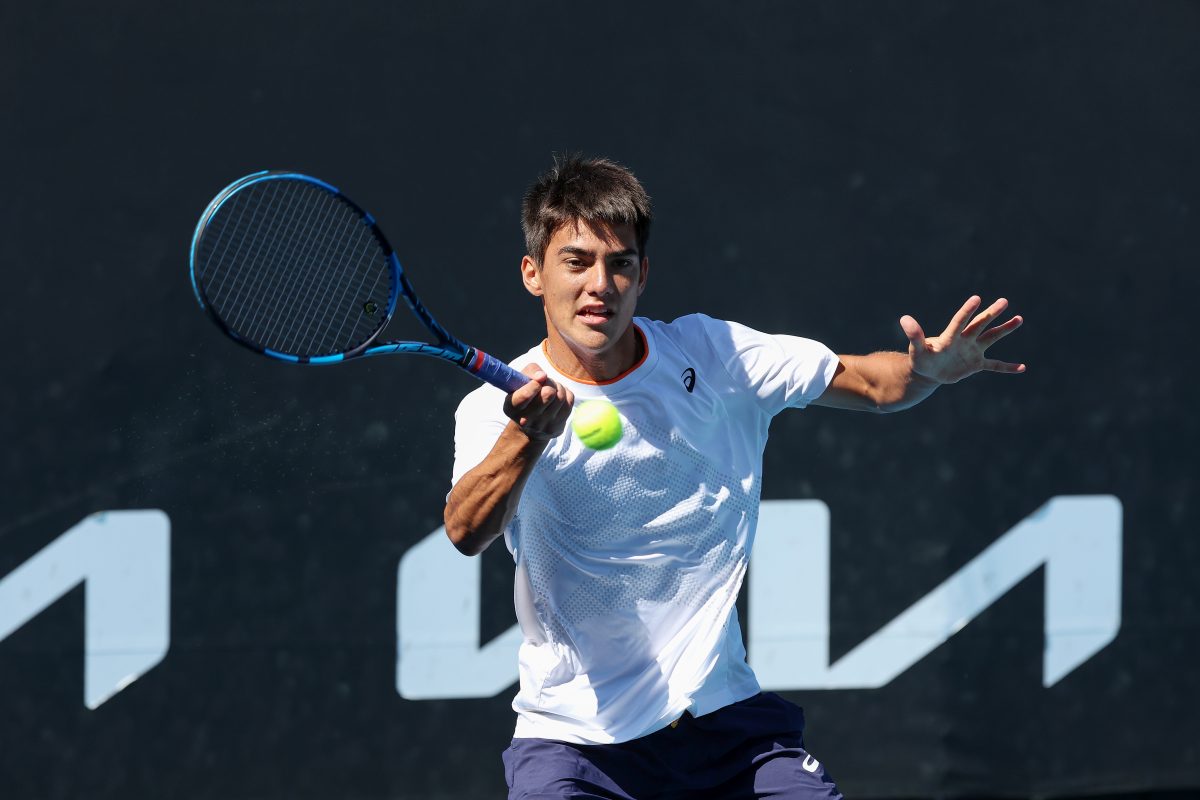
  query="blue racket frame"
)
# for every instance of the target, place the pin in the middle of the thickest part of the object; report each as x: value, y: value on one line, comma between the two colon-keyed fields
x: 448, y: 347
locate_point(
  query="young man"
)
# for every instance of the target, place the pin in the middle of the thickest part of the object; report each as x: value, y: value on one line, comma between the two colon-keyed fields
x: 634, y: 681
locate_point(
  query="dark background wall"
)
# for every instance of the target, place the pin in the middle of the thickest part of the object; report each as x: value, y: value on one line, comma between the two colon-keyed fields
x: 817, y: 168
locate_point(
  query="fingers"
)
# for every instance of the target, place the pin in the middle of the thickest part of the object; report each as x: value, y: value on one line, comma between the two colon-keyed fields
x: 541, y: 407
x: 959, y: 321
x: 992, y: 365
x: 525, y: 395
x: 993, y: 335
x: 564, y: 401
x: 984, y: 319
x: 546, y: 415
x: 916, y: 336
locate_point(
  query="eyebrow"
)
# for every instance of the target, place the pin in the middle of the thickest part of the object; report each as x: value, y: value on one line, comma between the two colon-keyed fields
x: 583, y: 251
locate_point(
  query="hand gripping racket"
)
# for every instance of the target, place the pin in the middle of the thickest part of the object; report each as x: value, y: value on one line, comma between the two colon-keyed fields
x: 290, y: 267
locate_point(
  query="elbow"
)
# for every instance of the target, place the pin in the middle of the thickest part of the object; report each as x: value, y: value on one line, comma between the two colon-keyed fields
x: 885, y: 407
x: 466, y: 548
x: 889, y: 406
x: 460, y: 536
x: 893, y: 405
x: 878, y: 401
x: 889, y: 399
x: 464, y: 544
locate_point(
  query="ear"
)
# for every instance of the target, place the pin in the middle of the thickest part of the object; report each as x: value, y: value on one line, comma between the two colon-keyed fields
x: 531, y: 276
x: 645, y: 274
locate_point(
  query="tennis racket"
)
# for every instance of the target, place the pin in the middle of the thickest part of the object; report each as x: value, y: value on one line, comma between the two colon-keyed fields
x: 290, y: 267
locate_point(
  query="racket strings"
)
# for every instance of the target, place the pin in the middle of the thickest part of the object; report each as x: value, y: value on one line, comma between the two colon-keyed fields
x: 232, y: 270
x: 266, y: 277
x: 270, y: 281
x: 359, y: 248
x: 289, y: 266
x: 294, y: 318
x: 304, y: 242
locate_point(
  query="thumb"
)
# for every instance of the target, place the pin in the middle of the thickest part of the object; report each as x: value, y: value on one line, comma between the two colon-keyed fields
x: 916, y: 336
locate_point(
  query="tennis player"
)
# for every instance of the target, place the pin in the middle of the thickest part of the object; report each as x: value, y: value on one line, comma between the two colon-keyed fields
x: 633, y: 678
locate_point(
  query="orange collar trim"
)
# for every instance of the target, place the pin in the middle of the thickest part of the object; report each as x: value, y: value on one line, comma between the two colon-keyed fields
x: 589, y: 382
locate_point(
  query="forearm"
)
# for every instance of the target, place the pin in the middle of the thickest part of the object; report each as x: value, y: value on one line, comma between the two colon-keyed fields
x: 889, y: 381
x: 484, y: 500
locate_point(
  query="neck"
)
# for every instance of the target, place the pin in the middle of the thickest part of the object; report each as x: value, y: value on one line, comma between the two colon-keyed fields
x: 591, y: 367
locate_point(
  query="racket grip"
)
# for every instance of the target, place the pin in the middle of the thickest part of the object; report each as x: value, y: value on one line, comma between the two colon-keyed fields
x: 496, y: 372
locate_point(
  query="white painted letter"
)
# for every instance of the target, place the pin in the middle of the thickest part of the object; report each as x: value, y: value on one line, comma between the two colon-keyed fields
x: 1077, y: 538
x: 437, y: 627
x: 123, y: 560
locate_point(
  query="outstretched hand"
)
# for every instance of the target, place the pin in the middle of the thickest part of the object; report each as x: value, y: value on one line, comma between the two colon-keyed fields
x: 959, y: 351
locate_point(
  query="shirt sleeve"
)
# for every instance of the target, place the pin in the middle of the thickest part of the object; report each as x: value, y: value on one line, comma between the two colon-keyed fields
x: 781, y: 371
x: 478, y: 423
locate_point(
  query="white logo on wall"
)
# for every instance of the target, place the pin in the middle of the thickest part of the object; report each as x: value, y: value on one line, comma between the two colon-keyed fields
x: 1078, y: 539
x: 123, y: 560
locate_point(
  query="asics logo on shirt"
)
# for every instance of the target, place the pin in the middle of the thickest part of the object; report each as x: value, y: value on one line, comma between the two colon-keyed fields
x: 689, y: 379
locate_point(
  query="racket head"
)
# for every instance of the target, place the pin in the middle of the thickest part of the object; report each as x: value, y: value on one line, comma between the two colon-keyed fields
x: 290, y: 267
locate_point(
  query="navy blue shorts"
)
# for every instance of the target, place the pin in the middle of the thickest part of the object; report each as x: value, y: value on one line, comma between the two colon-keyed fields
x: 751, y: 749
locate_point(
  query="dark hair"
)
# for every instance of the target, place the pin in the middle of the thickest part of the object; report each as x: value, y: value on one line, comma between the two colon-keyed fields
x: 583, y: 190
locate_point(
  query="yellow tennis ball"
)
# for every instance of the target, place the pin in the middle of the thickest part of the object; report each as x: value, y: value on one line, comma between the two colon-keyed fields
x: 597, y: 424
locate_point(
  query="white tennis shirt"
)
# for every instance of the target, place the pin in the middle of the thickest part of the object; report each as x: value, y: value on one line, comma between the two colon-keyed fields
x: 628, y: 560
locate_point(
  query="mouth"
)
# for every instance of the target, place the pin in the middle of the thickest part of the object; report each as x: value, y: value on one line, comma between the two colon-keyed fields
x: 594, y: 314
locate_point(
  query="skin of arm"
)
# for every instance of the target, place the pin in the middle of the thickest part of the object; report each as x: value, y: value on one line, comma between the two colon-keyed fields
x: 484, y: 500
x: 880, y: 383
x: 883, y: 382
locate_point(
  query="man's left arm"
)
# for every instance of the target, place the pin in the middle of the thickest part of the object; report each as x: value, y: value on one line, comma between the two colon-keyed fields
x: 883, y: 382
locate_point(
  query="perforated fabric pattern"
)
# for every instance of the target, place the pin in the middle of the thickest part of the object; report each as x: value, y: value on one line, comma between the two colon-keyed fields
x: 655, y: 535
x: 629, y: 560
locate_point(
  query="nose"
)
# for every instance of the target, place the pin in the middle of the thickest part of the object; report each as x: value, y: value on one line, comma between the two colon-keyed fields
x: 599, y: 280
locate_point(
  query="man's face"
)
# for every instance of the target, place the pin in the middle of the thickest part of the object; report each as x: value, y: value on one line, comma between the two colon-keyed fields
x: 589, y: 280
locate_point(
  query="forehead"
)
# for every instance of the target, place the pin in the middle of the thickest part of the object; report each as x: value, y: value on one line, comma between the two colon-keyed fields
x: 593, y: 235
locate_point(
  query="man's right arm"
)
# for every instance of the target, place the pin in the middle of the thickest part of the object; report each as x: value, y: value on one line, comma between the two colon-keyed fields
x: 484, y: 500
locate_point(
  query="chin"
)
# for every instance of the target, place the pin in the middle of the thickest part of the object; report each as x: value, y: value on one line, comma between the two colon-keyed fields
x: 591, y: 339
x: 594, y: 340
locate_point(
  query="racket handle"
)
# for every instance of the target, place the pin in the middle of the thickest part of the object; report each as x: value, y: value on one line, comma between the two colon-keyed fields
x: 496, y: 372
